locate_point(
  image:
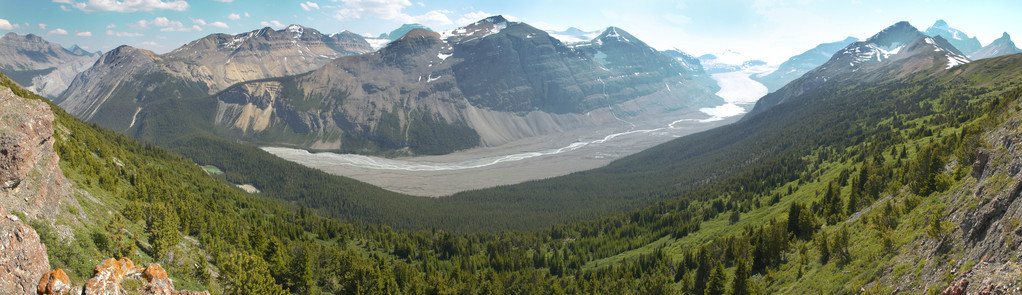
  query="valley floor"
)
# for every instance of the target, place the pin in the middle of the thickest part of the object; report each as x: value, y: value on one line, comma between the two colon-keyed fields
x: 523, y: 160
x: 537, y: 157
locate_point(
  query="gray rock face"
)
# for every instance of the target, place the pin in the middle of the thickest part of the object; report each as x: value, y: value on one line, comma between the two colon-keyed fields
x: 494, y: 79
x: 40, y: 66
x: 127, y: 79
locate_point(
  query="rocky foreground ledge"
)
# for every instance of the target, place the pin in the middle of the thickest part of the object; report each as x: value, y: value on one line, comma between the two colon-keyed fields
x: 107, y: 277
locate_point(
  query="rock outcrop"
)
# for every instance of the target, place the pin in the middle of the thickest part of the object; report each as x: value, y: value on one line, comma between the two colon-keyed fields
x: 54, y: 282
x: 107, y: 278
x: 31, y: 181
x: 22, y: 255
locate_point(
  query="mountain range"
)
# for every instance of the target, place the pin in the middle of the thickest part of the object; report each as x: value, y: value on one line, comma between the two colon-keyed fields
x: 895, y: 52
x: 488, y: 83
x: 126, y: 78
x: 41, y: 66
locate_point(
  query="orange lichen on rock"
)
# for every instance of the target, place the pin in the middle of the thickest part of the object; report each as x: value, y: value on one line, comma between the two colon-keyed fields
x: 54, y: 282
x: 107, y: 277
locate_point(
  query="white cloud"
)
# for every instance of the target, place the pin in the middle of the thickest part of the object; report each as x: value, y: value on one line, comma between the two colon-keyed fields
x: 181, y: 29
x: 246, y: 14
x: 131, y: 5
x: 233, y: 16
x: 472, y: 17
x: 84, y: 34
x: 42, y: 26
x: 5, y: 25
x: 111, y: 26
x: 165, y: 22
x: 389, y: 10
x: 57, y: 31
x: 65, y: 8
x: 62, y: 1
x: 149, y: 44
x: 167, y: 25
x: 224, y: 1
x: 123, y: 34
x: 309, y: 5
x: 140, y: 24
x: 219, y: 25
x: 272, y: 23
x: 198, y: 21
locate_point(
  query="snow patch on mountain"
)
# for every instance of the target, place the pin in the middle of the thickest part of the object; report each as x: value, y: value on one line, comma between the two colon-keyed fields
x: 480, y: 29
x: 953, y: 59
x: 296, y: 31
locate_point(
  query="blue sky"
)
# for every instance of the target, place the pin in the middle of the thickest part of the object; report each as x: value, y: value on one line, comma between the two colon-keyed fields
x: 772, y: 30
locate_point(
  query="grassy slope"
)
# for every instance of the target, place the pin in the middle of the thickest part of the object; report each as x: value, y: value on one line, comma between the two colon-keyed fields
x: 802, y: 272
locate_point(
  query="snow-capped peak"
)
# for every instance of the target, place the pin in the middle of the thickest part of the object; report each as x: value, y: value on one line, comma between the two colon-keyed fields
x: 237, y: 40
x: 296, y: 31
x: 943, y: 26
x: 477, y: 30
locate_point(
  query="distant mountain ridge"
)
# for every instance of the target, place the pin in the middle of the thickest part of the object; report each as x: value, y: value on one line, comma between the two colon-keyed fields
x: 402, y: 30
x: 727, y: 61
x: 125, y: 79
x: 487, y: 83
x: 1001, y: 46
x: 967, y: 45
x: 41, y: 66
x: 896, y: 51
x: 798, y: 65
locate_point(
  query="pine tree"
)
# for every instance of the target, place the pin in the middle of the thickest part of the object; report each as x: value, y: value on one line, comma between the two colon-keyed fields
x: 161, y: 224
x: 702, y: 274
x: 716, y: 283
x: 243, y: 273
x: 740, y: 283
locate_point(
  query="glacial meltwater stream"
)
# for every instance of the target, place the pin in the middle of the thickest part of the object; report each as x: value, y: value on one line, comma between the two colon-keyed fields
x: 529, y: 159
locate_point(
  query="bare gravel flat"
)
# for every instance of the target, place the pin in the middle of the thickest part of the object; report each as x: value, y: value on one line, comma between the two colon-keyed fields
x: 426, y: 181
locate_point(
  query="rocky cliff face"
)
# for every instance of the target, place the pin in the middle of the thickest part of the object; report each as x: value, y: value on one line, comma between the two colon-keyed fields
x: 31, y: 181
x: 22, y: 255
x: 497, y: 79
x: 126, y: 79
x: 984, y: 212
x: 40, y: 66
